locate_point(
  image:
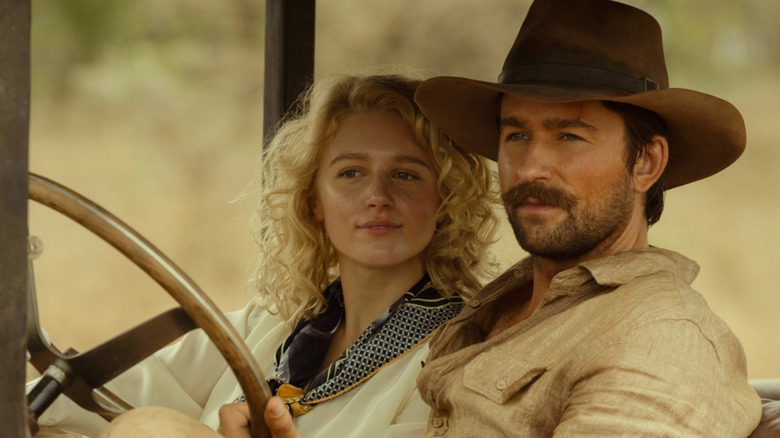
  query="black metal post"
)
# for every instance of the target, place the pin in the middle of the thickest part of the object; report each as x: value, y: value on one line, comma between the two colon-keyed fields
x: 14, y: 134
x: 289, y: 56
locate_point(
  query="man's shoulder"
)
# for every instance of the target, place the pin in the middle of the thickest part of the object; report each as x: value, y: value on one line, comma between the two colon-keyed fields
x: 624, y: 267
x: 660, y: 298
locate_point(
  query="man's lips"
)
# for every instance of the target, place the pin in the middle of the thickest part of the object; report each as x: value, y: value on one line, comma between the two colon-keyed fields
x: 533, y: 202
x: 536, y: 197
x: 532, y: 205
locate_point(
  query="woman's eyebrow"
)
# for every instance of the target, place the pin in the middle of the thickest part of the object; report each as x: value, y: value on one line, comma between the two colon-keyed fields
x: 361, y: 156
x: 348, y: 156
x: 414, y: 160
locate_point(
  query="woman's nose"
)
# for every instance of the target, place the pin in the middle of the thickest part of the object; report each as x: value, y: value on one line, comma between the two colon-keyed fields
x: 379, y: 193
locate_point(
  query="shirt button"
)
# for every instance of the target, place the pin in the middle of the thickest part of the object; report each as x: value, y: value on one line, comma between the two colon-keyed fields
x: 501, y: 385
x: 438, y: 422
x: 474, y: 303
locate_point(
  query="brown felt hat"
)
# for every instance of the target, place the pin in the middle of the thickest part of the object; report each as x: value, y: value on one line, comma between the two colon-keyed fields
x: 574, y: 50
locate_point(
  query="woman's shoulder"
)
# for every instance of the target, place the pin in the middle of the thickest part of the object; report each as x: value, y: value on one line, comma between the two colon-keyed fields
x: 252, y: 315
x: 261, y: 327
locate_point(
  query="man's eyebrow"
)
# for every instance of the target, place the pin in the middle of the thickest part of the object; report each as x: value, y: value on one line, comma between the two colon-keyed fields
x: 568, y: 123
x: 548, y: 124
x: 511, y: 122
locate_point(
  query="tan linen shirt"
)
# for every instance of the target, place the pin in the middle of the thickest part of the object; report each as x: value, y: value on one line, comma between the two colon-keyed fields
x: 619, y: 346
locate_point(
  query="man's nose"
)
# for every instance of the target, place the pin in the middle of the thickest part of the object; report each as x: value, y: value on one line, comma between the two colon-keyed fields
x: 530, y: 163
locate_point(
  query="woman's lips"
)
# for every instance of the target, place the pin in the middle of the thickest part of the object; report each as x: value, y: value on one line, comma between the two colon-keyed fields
x: 379, y: 227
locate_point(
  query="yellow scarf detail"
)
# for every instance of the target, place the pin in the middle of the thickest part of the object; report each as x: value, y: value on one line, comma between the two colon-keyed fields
x: 291, y: 395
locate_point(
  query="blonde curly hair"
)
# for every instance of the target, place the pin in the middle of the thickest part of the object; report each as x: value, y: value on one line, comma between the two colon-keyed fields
x: 296, y: 260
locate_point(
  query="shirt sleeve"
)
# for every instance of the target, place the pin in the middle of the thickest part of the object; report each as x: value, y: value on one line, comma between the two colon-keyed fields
x: 645, y: 385
x: 179, y: 377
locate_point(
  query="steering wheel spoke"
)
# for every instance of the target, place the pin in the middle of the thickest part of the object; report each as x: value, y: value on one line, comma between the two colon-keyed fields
x: 88, y: 371
x: 113, y: 357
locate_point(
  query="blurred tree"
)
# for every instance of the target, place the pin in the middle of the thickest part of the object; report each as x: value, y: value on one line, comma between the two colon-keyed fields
x: 726, y: 36
x: 75, y: 35
x: 66, y: 34
x: 734, y: 39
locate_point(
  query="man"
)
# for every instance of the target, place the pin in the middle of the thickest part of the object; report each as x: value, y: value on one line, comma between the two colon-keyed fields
x: 596, y: 333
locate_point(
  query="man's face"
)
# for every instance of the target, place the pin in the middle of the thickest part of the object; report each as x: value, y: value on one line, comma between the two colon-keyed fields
x: 565, y: 184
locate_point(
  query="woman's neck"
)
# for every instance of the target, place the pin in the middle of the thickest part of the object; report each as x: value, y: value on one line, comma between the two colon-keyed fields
x: 367, y: 295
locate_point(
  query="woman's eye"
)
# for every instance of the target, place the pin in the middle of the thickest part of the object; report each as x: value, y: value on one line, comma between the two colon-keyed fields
x: 349, y: 173
x: 404, y: 176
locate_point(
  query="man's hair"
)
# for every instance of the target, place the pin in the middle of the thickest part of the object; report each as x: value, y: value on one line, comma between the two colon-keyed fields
x: 296, y: 260
x: 641, y: 126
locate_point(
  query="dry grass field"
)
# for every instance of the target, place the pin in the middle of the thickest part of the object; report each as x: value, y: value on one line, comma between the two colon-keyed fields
x: 165, y: 135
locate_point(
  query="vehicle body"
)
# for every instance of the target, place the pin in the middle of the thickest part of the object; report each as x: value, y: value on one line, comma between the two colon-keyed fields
x: 289, y: 49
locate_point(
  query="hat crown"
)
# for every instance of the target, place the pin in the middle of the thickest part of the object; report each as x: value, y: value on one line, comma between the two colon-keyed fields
x: 581, y: 50
x: 597, y: 44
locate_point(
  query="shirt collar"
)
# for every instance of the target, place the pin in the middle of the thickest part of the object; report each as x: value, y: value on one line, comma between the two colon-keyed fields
x: 611, y: 271
x: 623, y: 267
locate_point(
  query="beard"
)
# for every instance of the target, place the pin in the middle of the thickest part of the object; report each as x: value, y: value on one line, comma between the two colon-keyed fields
x: 585, y: 228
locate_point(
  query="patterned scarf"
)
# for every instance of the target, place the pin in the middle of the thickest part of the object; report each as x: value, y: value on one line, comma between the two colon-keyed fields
x: 403, y: 326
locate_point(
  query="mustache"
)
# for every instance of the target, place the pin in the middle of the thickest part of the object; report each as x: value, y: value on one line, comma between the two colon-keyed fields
x: 547, y: 195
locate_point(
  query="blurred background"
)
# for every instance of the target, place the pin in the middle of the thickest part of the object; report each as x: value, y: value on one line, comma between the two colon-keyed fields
x: 154, y: 111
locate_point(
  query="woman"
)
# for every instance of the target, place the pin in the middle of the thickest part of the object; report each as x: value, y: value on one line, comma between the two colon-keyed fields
x: 372, y: 227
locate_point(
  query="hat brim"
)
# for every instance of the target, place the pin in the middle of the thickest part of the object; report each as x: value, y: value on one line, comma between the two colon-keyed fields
x: 706, y: 134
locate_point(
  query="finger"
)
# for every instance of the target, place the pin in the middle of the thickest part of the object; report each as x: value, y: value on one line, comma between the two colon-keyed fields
x: 279, y: 420
x: 234, y: 420
x: 32, y: 425
x: 154, y: 421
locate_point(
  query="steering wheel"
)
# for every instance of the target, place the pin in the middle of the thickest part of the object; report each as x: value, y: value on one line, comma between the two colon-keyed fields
x: 80, y: 376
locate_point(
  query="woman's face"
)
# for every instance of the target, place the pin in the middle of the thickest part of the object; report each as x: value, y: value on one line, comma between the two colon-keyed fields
x: 375, y: 193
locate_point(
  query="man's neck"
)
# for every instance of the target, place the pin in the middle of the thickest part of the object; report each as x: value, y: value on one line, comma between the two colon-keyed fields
x: 518, y: 304
x: 515, y: 306
x: 633, y: 236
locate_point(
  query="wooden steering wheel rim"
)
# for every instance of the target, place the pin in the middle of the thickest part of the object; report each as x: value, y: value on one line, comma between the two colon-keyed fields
x: 178, y: 284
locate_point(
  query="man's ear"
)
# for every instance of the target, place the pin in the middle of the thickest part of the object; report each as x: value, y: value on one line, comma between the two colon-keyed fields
x: 651, y: 164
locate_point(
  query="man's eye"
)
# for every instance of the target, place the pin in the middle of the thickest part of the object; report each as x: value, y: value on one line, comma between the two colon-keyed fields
x: 515, y: 136
x: 570, y: 137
